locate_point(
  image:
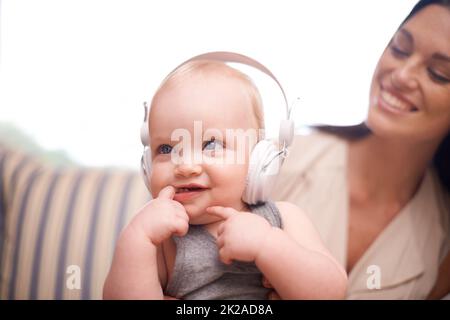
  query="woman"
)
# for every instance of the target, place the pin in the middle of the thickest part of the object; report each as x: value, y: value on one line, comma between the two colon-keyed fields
x: 379, y: 194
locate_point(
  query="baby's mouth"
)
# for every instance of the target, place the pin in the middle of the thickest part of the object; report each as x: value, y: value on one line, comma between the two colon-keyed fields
x: 189, y: 188
x: 182, y: 190
x: 186, y: 193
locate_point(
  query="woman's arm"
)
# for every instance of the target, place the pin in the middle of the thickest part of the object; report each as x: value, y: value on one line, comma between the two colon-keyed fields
x: 296, y: 263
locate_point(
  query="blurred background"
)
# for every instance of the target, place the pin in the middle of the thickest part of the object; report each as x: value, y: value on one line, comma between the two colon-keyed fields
x: 74, y: 74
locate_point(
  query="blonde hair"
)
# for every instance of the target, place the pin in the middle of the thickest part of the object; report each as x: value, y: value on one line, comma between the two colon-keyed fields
x: 222, y: 69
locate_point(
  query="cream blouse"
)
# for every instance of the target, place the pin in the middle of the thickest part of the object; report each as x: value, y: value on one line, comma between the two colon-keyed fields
x: 405, y: 257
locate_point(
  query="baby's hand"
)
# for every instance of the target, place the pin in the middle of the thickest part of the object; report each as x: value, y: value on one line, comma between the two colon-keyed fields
x: 241, y: 235
x: 162, y: 217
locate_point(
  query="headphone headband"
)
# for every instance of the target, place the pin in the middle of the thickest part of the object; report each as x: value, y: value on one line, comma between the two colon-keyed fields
x: 226, y: 56
x: 286, y: 132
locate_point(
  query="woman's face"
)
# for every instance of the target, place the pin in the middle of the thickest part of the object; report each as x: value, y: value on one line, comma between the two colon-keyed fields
x: 410, y: 92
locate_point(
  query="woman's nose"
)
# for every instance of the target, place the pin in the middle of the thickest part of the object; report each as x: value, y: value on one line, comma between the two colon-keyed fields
x: 188, y: 169
x: 405, y: 76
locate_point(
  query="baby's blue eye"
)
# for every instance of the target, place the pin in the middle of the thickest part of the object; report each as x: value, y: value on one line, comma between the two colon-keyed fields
x: 164, y: 149
x: 213, y: 144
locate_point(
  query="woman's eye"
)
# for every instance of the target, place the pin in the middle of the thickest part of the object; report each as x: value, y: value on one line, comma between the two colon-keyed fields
x: 398, y: 52
x: 437, y: 77
x: 164, y: 149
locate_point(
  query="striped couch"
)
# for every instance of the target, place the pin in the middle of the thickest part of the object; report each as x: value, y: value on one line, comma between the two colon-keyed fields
x: 53, y: 220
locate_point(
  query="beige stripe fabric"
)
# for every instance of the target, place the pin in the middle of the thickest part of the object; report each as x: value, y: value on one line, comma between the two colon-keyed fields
x: 79, y: 228
x: 53, y: 234
x: 27, y: 242
x: 13, y: 206
x: 106, y: 225
x: 103, y: 234
x: 34, y: 259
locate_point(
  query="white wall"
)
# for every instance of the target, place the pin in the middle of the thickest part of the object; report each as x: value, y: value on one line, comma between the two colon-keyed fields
x: 74, y: 73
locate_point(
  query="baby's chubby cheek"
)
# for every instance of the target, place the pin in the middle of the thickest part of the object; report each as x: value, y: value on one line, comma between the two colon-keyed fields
x: 233, y: 177
x: 155, y: 188
x: 159, y: 179
x: 231, y: 184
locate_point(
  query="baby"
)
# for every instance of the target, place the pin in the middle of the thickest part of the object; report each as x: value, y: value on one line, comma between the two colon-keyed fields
x: 197, y: 239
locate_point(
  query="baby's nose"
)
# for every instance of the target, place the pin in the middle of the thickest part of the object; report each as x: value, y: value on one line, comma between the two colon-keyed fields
x: 188, y: 169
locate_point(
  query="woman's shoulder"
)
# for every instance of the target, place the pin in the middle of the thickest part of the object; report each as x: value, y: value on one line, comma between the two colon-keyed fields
x: 316, y: 138
x: 315, y: 149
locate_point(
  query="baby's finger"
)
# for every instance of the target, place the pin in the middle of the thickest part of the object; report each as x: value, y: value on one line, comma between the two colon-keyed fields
x: 221, y: 229
x: 224, y: 256
x: 167, y: 192
x: 221, y: 212
x: 178, y: 206
x: 180, y: 227
x: 182, y: 214
x: 220, y: 242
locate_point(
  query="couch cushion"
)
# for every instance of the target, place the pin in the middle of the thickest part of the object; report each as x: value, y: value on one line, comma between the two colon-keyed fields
x: 52, y: 218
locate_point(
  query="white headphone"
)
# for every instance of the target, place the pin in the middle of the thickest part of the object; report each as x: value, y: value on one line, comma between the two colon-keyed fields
x: 266, y: 158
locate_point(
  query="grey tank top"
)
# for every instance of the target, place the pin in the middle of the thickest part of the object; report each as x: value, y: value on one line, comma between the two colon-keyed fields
x: 198, y: 272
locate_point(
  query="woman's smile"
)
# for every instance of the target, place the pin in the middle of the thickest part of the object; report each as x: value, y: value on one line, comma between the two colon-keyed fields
x: 393, y: 103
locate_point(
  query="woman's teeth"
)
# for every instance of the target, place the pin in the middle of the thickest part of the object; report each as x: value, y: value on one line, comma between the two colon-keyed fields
x: 396, y: 103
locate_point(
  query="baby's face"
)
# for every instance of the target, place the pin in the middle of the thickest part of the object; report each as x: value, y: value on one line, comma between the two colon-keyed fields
x: 207, y: 110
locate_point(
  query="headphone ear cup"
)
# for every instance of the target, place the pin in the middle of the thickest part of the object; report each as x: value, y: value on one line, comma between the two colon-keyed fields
x: 262, y: 172
x: 286, y: 132
x: 145, y: 137
x: 146, y: 167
